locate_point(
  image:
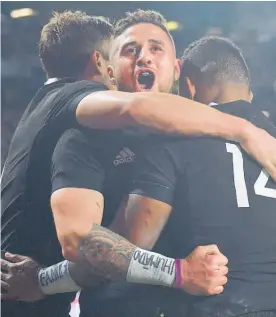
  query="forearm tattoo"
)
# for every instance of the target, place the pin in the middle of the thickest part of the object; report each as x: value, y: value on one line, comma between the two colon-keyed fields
x: 107, y: 253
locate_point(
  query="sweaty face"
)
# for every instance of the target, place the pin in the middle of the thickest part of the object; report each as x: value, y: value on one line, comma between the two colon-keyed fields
x: 144, y: 59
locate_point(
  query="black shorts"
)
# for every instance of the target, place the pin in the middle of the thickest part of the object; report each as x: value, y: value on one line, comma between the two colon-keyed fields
x: 52, y: 306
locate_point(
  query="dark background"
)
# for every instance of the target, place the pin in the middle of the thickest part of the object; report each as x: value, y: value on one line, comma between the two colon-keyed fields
x: 251, y: 25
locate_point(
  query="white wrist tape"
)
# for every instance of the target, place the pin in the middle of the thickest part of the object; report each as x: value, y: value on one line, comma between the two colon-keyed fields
x: 151, y: 268
x: 56, y: 279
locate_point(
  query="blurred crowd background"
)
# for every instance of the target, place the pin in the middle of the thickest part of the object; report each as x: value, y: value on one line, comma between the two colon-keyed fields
x: 251, y: 25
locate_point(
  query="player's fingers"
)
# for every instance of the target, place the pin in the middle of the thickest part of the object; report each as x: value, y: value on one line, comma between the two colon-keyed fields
x: 221, y: 280
x: 4, y: 277
x: 6, y: 266
x: 15, y: 258
x: 6, y: 295
x: 223, y: 270
x: 218, y: 271
x: 217, y: 259
x: 222, y: 259
x: 217, y: 290
x: 210, y: 249
x: 217, y: 286
x: 4, y: 287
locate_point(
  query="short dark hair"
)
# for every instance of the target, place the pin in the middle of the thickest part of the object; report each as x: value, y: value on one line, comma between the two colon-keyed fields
x: 142, y: 16
x: 67, y: 41
x: 219, y: 58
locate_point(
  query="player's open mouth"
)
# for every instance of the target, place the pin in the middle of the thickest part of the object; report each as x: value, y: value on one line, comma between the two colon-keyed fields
x: 146, y: 80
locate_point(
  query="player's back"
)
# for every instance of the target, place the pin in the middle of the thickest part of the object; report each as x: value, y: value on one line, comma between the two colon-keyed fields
x: 224, y: 197
x: 27, y: 223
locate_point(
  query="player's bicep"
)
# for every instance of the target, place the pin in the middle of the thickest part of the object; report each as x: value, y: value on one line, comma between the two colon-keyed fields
x: 76, y: 208
x: 74, y: 211
x: 77, y: 180
x: 141, y: 220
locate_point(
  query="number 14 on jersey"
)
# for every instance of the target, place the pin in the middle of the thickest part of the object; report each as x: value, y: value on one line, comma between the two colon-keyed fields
x: 239, y: 178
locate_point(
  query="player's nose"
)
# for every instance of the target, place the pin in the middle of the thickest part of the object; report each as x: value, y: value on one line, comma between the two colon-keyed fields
x: 144, y: 58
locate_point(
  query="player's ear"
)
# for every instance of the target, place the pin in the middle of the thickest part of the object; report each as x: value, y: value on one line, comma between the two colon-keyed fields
x: 111, y: 76
x: 187, y: 88
x: 96, y: 56
x: 177, y: 68
x: 98, y: 62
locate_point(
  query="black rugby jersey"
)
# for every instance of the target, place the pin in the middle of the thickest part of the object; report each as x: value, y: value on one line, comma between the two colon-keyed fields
x: 219, y: 196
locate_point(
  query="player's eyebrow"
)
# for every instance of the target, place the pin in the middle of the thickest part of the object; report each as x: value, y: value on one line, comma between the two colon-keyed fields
x: 128, y: 44
x: 132, y: 43
x: 153, y: 41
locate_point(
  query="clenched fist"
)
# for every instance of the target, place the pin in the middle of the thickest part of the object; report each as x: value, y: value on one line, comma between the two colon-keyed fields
x: 203, y: 272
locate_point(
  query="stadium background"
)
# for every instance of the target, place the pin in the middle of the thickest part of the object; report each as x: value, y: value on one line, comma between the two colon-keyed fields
x: 251, y: 25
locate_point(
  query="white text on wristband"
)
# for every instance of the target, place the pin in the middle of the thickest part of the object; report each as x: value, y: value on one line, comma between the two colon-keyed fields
x: 56, y: 279
x: 151, y: 268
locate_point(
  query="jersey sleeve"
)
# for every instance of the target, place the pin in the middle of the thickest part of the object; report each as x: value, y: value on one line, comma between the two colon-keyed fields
x: 158, y: 171
x: 74, y: 163
x: 72, y: 94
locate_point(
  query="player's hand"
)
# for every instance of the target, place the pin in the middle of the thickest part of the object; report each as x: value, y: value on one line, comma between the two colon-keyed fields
x: 204, y: 271
x: 19, y: 278
x: 262, y: 147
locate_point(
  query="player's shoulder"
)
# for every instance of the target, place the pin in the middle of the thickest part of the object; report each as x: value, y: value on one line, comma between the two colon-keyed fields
x: 67, y: 88
x: 239, y: 108
x: 71, y: 135
x: 250, y: 111
x: 85, y: 84
x: 54, y: 94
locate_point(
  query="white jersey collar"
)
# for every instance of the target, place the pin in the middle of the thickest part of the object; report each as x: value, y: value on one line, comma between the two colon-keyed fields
x: 212, y: 104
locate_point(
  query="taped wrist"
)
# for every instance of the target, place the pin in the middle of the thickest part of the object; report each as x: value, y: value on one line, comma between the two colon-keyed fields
x: 148, y: 267
x: 56, y: 279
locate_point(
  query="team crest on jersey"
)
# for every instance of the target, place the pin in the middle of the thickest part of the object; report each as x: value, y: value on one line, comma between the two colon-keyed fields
x: 125, y: 156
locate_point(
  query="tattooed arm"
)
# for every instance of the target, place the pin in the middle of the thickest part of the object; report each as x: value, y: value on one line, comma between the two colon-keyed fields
x: 103, y: 254
x: 98, y: 253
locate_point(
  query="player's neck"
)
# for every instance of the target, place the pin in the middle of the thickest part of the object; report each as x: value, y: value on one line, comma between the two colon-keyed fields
x: 98, y: 78
x: 229, y: 93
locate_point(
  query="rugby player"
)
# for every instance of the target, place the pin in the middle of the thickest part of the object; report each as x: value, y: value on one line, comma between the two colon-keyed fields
x: 71, y: 251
